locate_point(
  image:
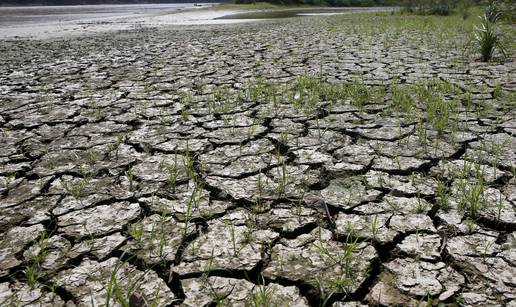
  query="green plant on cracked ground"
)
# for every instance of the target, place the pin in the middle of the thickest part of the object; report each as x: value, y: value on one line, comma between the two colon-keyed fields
x: 117, y: 294
x: 76, y: 189
x: 472, y: 198
x: 344, y: 260
x: 487, y: 37
x: 33, y: 269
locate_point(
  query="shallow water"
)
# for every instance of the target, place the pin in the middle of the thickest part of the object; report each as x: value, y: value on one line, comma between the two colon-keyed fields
x: 18, y: 15
x: 290, y: 13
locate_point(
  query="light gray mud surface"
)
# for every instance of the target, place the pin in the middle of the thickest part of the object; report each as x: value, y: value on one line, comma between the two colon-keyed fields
x: 196, y: 166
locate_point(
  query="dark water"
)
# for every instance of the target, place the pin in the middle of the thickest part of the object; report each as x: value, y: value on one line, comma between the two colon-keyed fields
x: 13, y: 16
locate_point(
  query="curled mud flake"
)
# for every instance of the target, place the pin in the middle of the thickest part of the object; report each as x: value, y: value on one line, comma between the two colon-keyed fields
x: 234, y: 135
x: 422, y: 246
x: 397, y: 205
x: 315, y: 259
x: 311, y: 156
x: 157, y: 238
x: 229, y: 153
x: 293, y: 180
x: 492, y: 149
x: 493, y: 293
x: 44, y: 115
x: 287, y: 219
x: 152, y: 134
x: 183, y: 144
x: 509, y: 249
x: 18, y: 294
x: 476, y: 299
x: 13, y: 242
x: 365, y: 226
x: 510, y: 190
x: 233, y: 292
x: 8, y: 182
x: 411, y: 147
x: 71, y: 203
x: 30, y: 212
x: 98, y: 220
x: 467, y: 169
x: 402, y: 185
x: 340, y: 169
x: 241, y: 166
x: 186, y: 199
x: 326, y: 140
x: 485, y: 256
x: 382, y: 207
x: 411, y: 222
x: 229, y: 159
x: 52, y: 132
x: 69, y: 145
x: 226, y: 245
x: 162, y: 168
x: 51, y: 253
x: 112, y: 157
x: 472, y: 198
x: 498, y: 208
x: 348, y: 192
x: 398, y: 163
x: 85, y: 192
x: 420, y: 278
x: 60, y: 161
x: 337, y: 121
x: 250, y: 188
x: 113, y: 282
x: 11, y: 137
x: 13, y: 168
x: 229, y: 122
x: 348, y: 304
x: 288, y: 126
x: 455, y: 219
x: 100, y: 128
x: 385, y: 293
x: 100, y: 247
x: 23, y: 191
x: 88, y: 185
x: 355, y: 154
x: 34, y: 149
x: 387, y: 133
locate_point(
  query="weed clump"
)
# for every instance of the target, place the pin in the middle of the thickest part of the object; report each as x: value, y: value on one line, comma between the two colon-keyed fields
x: 487, y: 38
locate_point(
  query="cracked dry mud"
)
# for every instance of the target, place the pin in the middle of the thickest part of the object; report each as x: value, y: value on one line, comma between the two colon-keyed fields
x: 195, y: 165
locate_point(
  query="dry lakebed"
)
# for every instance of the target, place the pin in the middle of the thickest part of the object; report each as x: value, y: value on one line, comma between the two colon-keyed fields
x: 348, y: 160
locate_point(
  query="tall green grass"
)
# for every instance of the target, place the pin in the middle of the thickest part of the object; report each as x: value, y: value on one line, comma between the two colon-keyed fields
x: 488, y: 38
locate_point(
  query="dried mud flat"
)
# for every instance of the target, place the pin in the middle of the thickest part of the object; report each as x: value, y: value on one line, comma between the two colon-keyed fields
x: 211, y: 165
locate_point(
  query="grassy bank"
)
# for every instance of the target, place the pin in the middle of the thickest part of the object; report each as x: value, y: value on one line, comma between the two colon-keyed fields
x: 250, y: 6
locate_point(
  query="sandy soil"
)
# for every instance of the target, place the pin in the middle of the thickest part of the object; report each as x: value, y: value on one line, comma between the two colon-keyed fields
x: 88, y: 26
